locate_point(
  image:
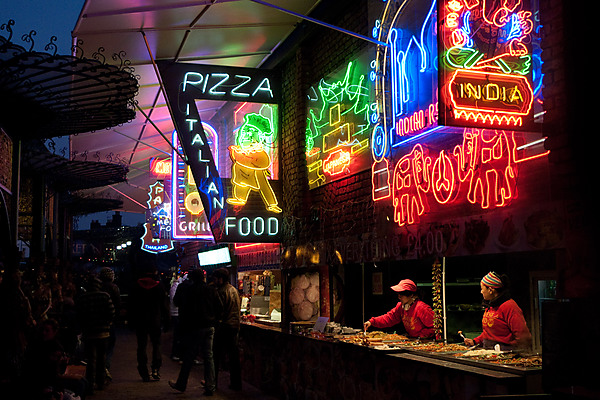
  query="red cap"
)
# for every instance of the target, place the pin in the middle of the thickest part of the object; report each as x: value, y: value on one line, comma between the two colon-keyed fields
x: 405, y: 285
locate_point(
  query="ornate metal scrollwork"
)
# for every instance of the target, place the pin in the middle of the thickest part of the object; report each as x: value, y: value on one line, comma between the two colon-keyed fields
x: 51, y: 47
x: 28, y: 38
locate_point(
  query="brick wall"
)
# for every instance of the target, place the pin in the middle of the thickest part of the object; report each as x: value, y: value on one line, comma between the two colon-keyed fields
x: 344, y: 207
x: 572, y: 139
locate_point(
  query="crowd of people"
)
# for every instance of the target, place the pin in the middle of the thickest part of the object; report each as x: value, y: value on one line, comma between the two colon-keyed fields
x: 61, y: 336
x: 58, y: 328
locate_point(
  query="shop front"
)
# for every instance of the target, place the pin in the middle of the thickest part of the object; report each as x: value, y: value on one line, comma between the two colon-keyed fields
x: 425, y: 159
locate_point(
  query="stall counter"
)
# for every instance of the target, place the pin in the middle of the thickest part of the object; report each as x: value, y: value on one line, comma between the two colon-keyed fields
x: 296, y: 366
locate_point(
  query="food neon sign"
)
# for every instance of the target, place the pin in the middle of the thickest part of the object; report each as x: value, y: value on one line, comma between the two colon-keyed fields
x: 229, y: 201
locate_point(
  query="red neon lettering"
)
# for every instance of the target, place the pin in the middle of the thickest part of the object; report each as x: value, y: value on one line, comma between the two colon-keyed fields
x: 485, y: 162
x: 337, y: 162
x: 499, y: 99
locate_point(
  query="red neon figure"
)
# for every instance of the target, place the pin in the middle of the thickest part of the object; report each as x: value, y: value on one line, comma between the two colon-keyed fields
x: 488, y: 166
x: 411, y: 182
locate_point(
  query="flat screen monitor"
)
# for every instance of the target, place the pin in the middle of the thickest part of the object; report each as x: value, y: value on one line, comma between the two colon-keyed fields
x: 214, y: 257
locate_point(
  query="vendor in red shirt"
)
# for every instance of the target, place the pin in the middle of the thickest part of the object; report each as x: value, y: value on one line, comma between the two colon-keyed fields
x: 415, y: 315
x: 504, y: 327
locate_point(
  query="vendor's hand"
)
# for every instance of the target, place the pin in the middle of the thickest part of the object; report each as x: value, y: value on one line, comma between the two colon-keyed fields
x: 366, y: 325
x: 469, y: 342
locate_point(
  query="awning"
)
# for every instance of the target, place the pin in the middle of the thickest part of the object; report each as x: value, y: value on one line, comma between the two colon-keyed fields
x: 45, y: 95
x: 63, y: 174
x: 78, y: 205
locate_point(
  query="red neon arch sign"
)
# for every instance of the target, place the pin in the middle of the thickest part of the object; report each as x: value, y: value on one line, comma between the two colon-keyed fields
x: 482, y: 170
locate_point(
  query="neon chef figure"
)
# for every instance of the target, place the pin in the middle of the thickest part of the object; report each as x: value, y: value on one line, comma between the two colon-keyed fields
x: 251, y: 162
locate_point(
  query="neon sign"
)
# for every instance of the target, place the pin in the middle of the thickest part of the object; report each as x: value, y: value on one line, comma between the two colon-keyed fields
x: 189, y: 218
x: 157, y: 229
x: 338, y: 125
x: 229, y: 202
x: 448, y: 67
x: 484, y: 166
x: 160, y: 167
x: 486, y: 63
x: 251, y: 162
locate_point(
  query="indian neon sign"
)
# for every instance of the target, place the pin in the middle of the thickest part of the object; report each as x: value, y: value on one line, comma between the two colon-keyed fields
x: 486, y: 63
x: 449, y: 64
x: 483, y: 169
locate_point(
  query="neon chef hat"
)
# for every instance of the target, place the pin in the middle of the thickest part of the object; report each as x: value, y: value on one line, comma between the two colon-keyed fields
x: 492, y: 280
x: 405, y: 285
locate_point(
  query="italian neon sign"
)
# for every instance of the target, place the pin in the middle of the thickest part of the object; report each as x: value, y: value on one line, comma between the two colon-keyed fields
x: 338, y: 126
x: 189, y: 218
x: 229, y: 194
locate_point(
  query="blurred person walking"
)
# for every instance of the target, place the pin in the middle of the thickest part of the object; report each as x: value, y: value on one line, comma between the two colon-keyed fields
x: 107, y: 276
x: 199, y: 306
x: 228, y: 330
x: 95, y: 312
x: 176, y: 346
x: 148, y: 310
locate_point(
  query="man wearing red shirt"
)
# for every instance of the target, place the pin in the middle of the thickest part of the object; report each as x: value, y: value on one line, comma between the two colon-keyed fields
x: 503, y: 322
x: 415, y: 315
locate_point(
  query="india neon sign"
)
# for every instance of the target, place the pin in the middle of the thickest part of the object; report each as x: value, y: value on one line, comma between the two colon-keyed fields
x: 449, y: 66
x: 487, y: 62
x: 483, y: 169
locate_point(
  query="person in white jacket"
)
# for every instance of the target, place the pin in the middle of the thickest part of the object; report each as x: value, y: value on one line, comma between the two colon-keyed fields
x: 176, y: 344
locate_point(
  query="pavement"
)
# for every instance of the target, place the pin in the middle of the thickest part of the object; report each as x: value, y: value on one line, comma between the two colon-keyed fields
x: 127, y: 384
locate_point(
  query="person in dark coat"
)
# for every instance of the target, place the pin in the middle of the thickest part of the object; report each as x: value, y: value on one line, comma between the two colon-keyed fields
x: 148, y: 310
x: 199, y: 307
x: 107, y: 276
x: 95, y: 312
x: 228, y: 329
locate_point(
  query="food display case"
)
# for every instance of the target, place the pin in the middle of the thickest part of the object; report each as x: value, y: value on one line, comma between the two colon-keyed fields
x: 261, y: 295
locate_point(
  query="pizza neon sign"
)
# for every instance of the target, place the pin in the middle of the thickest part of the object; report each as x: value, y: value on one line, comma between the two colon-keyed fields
x: 229, y: 193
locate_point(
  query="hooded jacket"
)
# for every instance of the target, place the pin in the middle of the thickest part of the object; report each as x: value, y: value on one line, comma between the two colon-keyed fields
x: 199, y: 305
x: 148, y: 303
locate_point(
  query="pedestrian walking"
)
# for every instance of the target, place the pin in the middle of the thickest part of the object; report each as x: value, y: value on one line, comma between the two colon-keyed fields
x: 176, y: 346
x: 147, y: 311
x: 228, y: 330
x: 199, y: 306
x: 107, y: 276
x: 95, y: 312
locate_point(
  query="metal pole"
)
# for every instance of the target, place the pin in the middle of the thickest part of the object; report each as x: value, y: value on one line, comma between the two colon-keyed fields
x: 316, y: 21
x: 444, y: 298
x: 15, y: 189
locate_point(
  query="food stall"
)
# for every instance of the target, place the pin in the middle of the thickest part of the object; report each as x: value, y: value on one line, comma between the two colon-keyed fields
x: 304, y: 357
x: 379, y: 365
